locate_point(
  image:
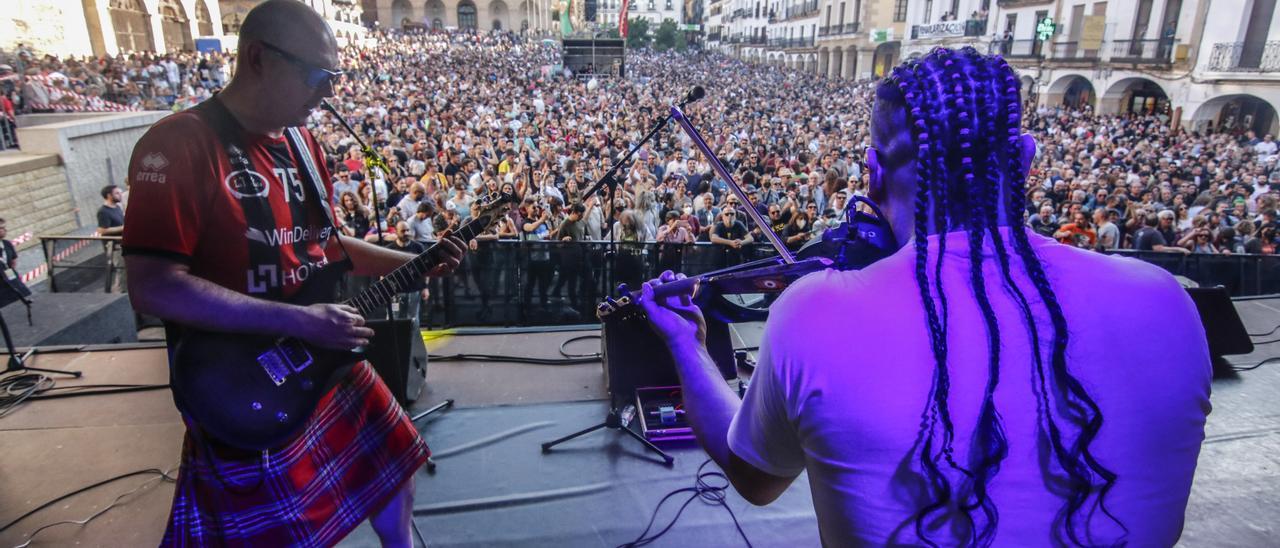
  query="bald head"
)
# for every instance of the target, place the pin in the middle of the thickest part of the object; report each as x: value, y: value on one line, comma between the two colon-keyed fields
x: 292, y: 26
x: 287, y: 63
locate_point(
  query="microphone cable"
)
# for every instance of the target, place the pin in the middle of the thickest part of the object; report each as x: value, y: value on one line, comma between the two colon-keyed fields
x: 711, y: 493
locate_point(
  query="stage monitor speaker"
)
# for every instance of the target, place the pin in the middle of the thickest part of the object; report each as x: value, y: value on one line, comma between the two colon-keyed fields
x: 1222, y: 324
x: 635, y: 356
x: 399, y: 356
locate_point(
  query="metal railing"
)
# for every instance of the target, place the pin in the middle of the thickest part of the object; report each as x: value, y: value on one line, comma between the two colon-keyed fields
x: 1071, y: 51
x: 1143, y: 51
x: 975, y: 27
x: 790, y: 43
x: 1018, y: 49
x: 804, y: 9
x: 79, y: 262
x: 549, y: 283
x: 1241, y: 274
x: 1239, y: 57
x: 839, y: 30
x: 8, y: 132
x: 544, y: 283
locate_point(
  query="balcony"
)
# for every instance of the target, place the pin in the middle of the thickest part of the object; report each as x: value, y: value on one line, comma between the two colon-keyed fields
x: 1072, y: 52
x: 949, y: 29
x: 1018, y: 49
x: 801, y: 10
x: 1236, y: 57
x: 791, y: 43
x: 839, y: 30
x: 1143, y: 52
x: 975, y: 27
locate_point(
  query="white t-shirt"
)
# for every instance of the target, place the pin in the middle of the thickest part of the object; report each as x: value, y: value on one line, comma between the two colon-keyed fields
x: 845, y: 368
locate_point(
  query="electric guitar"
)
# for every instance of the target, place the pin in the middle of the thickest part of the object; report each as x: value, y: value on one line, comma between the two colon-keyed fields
x: 256, y: 392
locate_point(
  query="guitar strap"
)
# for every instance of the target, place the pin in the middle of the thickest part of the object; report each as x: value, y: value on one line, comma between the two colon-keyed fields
x: 249, y: 187
x: 302, y: 152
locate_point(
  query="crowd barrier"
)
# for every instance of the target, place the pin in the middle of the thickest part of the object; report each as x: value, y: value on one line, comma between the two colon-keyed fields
x: 516, y: 283
x: 559, y: 283
x: 1242, y: 275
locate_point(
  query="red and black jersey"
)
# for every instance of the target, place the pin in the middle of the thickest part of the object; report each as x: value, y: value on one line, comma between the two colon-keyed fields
x: 255, y: 231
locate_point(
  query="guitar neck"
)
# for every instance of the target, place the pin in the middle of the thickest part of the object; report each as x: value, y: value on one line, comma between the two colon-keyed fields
x: 405, y: 278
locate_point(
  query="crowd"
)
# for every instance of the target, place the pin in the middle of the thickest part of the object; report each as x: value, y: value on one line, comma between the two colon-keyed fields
x: 30, y: 82
x: 461, y: 115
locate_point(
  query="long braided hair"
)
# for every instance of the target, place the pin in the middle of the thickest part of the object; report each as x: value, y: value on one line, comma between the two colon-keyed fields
x: 964, y: 115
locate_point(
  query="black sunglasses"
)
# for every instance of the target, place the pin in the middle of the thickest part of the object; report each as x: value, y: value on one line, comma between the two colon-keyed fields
x: 313, y: 76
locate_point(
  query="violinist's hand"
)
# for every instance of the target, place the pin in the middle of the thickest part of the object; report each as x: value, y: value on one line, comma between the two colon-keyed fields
x: 674, y: 317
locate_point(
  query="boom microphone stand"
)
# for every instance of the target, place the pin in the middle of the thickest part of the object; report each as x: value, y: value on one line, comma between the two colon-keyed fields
x: 618, y: 419
x: 374, y: 160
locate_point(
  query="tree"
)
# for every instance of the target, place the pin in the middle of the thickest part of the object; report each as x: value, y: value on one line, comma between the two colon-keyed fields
x: 669, y: 36
x: 638, y: 32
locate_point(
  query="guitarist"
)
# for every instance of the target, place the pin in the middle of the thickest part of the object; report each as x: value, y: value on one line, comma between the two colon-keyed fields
x: 218, y: 249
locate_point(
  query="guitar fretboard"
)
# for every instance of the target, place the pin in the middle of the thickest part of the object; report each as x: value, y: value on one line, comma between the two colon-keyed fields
x: 404, y: 278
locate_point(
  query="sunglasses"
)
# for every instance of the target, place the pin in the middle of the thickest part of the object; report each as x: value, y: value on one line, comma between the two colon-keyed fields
x: 313, y: 76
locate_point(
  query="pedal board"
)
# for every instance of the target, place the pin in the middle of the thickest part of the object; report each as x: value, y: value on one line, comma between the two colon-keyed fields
x: 661, y: 410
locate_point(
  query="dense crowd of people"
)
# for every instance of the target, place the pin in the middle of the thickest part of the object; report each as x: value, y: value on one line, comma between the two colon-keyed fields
x: 461, y: 115
x: 146, y: 81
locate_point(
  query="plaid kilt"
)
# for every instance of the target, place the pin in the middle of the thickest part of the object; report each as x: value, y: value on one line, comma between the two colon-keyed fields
x: 355, y: 452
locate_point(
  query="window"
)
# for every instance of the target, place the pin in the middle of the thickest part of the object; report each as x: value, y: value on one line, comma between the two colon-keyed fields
x: 899, y: 11
x: 668, y: 5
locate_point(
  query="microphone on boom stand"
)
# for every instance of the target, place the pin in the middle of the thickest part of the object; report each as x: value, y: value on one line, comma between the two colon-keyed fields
x: 619, y: 418
x: 694, y: 95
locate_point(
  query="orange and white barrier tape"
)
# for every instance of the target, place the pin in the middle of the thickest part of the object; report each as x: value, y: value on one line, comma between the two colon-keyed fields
x: 39, y: 271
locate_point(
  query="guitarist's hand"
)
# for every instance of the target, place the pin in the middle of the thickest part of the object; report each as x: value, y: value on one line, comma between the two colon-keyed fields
x: 448, y: 252
x: 335, y: 326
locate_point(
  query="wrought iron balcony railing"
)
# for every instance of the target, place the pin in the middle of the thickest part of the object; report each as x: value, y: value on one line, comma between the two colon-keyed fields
x: 1241, y: 57
x: 1158, y: 52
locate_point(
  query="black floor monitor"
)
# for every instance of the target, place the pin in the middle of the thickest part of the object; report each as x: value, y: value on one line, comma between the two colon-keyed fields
x: 1222, y: 325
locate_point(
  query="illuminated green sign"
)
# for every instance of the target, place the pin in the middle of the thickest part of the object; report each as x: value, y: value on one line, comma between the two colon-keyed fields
x: 1045, y: 29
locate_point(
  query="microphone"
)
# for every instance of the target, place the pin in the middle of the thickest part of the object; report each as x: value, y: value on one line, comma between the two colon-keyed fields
x: 324, y: 103
x: 694, y: 95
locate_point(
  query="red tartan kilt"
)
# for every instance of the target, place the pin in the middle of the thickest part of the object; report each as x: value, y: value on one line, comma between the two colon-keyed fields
x: 355, y: 452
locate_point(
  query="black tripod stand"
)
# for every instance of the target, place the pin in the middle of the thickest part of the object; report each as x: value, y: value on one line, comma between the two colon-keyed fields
x: 431, y: 464
x: 621, y: 419
x: 13, y: 290
x: 616, y: 420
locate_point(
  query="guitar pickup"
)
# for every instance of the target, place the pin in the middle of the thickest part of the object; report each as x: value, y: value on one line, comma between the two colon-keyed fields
x: 274, y: 365
x: 295, y: 353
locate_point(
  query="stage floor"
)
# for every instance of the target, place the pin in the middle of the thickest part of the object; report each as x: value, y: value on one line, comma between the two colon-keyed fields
x: 494, y: 486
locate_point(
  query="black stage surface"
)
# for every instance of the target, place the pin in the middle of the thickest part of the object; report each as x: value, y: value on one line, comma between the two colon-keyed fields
x: 494, y: 487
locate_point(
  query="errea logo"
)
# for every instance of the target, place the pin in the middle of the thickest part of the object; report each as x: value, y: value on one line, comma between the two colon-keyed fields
x: 152, y: 165
x: 154, y: 162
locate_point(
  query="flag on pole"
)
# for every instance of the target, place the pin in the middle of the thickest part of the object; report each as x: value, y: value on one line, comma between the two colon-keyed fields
x: 622, y: 19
